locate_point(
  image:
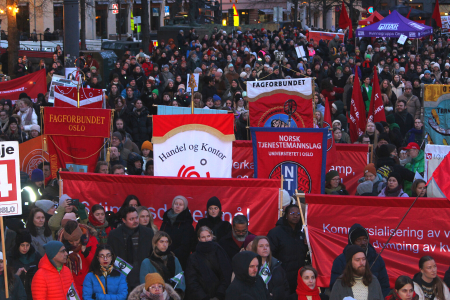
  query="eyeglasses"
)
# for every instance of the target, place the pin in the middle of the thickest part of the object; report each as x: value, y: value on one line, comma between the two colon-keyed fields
x: 294, y: 213
x: 335, y: 179
x: 108, y: 256
x: 156, y: 287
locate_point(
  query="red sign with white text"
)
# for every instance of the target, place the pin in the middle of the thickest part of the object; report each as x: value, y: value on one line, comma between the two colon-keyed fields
x: 243, y: 166
x: 32, y: 85
x: 257, y: 199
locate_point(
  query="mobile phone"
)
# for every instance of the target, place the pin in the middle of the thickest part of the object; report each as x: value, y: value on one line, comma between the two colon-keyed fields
x: 74, y: 202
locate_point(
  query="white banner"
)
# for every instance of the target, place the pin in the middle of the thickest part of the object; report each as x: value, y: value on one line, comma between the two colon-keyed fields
x: 193, y: 153
x: 434, y: 154
x: 298, y: 85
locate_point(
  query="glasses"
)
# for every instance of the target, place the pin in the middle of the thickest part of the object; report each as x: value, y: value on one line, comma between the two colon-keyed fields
x: 108, y: 256
x: 335, y: 179
x: 294, y: 213
x: 156, y: 287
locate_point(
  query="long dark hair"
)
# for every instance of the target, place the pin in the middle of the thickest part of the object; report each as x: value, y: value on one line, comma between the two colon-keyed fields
x: 126, y: 203
x: 348, y: 279
x: 32, y: 228
x: 438, y: 285
x: 403, y: 280
x: 95, y: 264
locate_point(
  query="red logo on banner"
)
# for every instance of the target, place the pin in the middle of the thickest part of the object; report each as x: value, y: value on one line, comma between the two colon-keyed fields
x: 8, y: 190
x: 189, y: 172
x: 429, y: 156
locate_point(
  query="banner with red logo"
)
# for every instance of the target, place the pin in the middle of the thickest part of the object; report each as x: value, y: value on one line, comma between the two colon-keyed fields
x: 257, y: 199
x: 299, y: 155
x: 66, y: 96
x: 267, y: 103
x: 193, y: 145
x: 329, y: 219
x: 31, y: 154
x: 32, y: 85
x: 243, y: 166
x: 349, y: 160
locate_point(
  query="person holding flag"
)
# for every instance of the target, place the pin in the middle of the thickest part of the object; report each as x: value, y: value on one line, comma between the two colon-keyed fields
x: 271, y: 270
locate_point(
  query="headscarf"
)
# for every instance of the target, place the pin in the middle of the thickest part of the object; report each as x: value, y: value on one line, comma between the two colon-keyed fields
x: 303, y: 290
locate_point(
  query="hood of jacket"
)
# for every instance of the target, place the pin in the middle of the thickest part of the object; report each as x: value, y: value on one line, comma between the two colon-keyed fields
x: 355, y: 232
x: 241, y: 262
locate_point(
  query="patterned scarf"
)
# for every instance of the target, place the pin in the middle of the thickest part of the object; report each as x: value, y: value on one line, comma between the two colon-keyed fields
x: 106, y: 270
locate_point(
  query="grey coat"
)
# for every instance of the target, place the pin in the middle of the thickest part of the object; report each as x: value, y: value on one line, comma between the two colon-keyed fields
x: 339, y: 292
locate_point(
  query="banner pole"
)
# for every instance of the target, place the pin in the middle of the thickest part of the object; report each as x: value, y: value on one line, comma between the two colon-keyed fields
x: 5, y: 272
x: 281, y: 198
x: 44, y: 140
x: 60, y: 184
x: 192, y: 84
x: 300, y: 207
x: 313, y: 91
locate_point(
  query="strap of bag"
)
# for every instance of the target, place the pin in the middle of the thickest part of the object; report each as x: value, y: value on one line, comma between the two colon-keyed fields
x: 101, y: 284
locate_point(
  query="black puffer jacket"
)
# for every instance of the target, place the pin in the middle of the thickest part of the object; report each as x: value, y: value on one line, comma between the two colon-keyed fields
x: 208, y: 272
x: 131, y: 168
x: 140, y: 126
x: 219, y: 227
x: 288, y: 245
x: 243, y: 283
x: 182, y: 234
x: 278, y: 285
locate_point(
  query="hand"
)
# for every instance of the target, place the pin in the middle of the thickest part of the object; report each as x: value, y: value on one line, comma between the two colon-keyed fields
x: 20, y: 271
x: 83, y: 248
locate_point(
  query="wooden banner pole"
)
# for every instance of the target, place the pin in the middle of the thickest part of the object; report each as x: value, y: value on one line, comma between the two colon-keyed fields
x: 5, y: 272
x: 281, y: 197
x: 300, y: 207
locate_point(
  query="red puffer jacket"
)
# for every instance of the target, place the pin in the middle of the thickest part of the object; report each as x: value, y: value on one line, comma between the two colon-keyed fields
x: 48, y: 283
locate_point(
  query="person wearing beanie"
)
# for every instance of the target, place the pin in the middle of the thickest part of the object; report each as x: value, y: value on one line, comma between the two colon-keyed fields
x: 47, y: 206
x: 357, y: 280
x: 14, y: 132
x: 24, y: 260
x: 162, y: 261
x: 35, y: 131
x: 67, y: 210
x: 177, y: 222
x: 208, y: 258
x: 81, y: 243
x: 371, y: 179
x: 53, y: 278
x: 213, y: 220
x: 33, y: 189
x: 358, y: 241
x: 135, y: 164
x: 333, y: 185
x: 393, y: 187
x: 104, y: 281
x: 147, y: 151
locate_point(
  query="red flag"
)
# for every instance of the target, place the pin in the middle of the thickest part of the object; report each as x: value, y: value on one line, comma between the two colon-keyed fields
x: 331, y: 146
x: 344, y: 21
x: 441, y: 175
x: 67, y: 97
x: 376, y: 109
x: 357, y: 111
x: 437, y: 15
x: 410, y: 9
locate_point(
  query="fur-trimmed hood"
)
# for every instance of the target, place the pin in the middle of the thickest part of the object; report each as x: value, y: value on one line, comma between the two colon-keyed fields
x: 169, y: 293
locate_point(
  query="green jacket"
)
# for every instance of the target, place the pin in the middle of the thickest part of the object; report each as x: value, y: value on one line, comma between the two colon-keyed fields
x: 415, y: 165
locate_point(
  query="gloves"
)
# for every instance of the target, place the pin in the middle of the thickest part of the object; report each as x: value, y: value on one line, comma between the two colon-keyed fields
x: 82, y: 211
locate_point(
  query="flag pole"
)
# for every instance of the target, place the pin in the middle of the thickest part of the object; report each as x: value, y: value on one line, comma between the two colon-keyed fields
x: 281, y: 197
x: 5, y: 272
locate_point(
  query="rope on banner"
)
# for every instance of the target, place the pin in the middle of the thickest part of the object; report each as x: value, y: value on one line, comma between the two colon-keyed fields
x: 74, y: 156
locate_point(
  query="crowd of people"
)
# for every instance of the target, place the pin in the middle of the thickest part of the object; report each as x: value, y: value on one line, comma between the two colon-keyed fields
x: 65, y: 247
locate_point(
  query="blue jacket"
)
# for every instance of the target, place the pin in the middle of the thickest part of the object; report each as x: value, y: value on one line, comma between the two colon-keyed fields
x: 147, y: 267
x: 116, y: 287
x: 378, y: 270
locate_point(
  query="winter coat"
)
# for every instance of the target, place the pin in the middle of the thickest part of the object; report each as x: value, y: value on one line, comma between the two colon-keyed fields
x: 40, y: 240
x: 148, y: 266
x: 219, y: 227
x: 339, y: 292
x: 208, y: 272
x: 415, y: 165
x: 228, y: 244
x: 278, y: 285
x: 117, y: 240
x: 140, y: 126
x: 378, y: 270
x: 288, y: 245
x: 23, y: 116
x: 48, y: 283
x: 115, y: 285
x: 405, y: 124
x: 182, y: 234
x: 339, y: 115
x: 398, y: 90
x: 17, y: 292
x: 169, y: 293
x: 243, y: 283
x: 401, y: 194
x: 412, y: 105
x: 413, y: 135
x: 418, y: 290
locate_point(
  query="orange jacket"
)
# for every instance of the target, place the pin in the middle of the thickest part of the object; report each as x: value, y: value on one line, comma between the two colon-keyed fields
x: 48, y: 283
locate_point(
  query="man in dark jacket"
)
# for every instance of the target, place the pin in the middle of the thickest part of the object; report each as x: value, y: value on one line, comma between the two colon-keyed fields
x: 232, y: 242
x: 133, y: 243
x: 209, y: 90
x: 404, y: 119
x: 246, y: 265
x: 358, y: 235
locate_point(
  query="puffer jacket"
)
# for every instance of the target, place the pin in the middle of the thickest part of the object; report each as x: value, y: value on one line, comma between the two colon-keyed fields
x: 169, y: 293
x: 415, y: 165
x: 140, y: 126
x: 115, y: 285
x: 48, y: 283
x: 278, y: 285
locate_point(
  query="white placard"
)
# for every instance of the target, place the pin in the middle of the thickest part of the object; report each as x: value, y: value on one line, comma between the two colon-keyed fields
x: 10, y: 191
x: 197, y: 81
x: 402, y: 39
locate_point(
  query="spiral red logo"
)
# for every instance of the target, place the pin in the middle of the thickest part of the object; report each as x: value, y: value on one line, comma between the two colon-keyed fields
x: 189, y: 172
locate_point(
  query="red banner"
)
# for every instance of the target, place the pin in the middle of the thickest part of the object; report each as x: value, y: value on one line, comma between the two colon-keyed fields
x: 157, y: 193
x: 298, y: 155
x: 330, y: 217
x: 243, y: 166
x: 66, y: 96
x: 349, y: 160
x: 322, y: 35
x: 376, y: 109
x: 30, y: 154
x: 357, y: 118
x: 70, y: 121
x: 267, y: 101
x: 32, y: 85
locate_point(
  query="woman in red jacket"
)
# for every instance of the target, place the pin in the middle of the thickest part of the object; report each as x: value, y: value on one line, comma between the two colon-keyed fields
x: 81, y: 243
x: 330, y: 91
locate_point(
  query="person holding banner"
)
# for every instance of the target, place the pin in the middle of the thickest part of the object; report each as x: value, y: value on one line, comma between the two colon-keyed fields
x: 427, y: 283
x: 103, y: 281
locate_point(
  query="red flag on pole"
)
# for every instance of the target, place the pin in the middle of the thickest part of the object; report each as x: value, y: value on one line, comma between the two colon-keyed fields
x: 357, y: 118
x: 376, y: 108
x: 344, y: 21
x: 441, y: 175
x: 437, y: 15
x: 331, y: 146
x: 410, y: 9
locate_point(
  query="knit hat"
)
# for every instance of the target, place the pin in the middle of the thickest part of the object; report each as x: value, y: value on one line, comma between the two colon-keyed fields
x: 370, y: 168
x: 216, y: 98
x: 117, y: 135
x: 181, y: 86
x: 181, y: 198
x: 401, y: 69
x: 340, y: 68
x: 37, y: 175
x: 397, y: 176
x: 12, y: 120
x: 365, y: 188
x: 286, y: 198
x: 68, y: 217
x: 367, y: 56
x: 45, y: 205
x: 147, y: 145
x: 249, y: 238
x: 230, y: 66
x: 75, y: 235
x: 167, y: 66
x: 52, y: 248
x: 336, y: 121
x: 352, y: 250
x: 247, y: 66
x: 23, y: 236
x: 408, y: 85
x: 330, y: 175
x: 93, y: 68
x: 244, y: 94
x: 214, y: 201
x: 63, y: 198
x: 197, y: 70
x: 243, y: 75
x: 153, y: 278
x: 358, y: 232
x: 334, y: 106
x: 427, y: 72
x: 35, y: 127
x: 155, y: 91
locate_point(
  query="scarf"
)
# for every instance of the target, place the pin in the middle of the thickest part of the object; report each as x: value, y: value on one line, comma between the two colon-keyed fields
x: 336, y: 189
x: 147, y: 295
x: 130, y: 248
x: 29, y: 116
x: 26, y: 259
x: 164, y: 263
x: 102, y: 236
x: 394, y: 192
x: 303, y: 291
x: 172, y: 216
x: 366, y: 64
x: 412, y: 136
x: 106, y: 270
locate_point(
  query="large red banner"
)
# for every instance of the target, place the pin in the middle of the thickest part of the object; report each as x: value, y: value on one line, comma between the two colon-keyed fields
x: 243, y: 166
x: 32, y: 85
x: 31, y: 154
x: 298, y: 155
x: 349, y: 160
x: 322, y: 35
x: 67, y: 96
x: 329, y: 219
x: 257, y: 199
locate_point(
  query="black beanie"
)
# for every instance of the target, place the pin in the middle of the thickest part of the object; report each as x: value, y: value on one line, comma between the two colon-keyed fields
x: 214, y: 201
x: 22, y: 237
x: 357, y: 233
x: 396, y: 176
x: 352, y: 250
